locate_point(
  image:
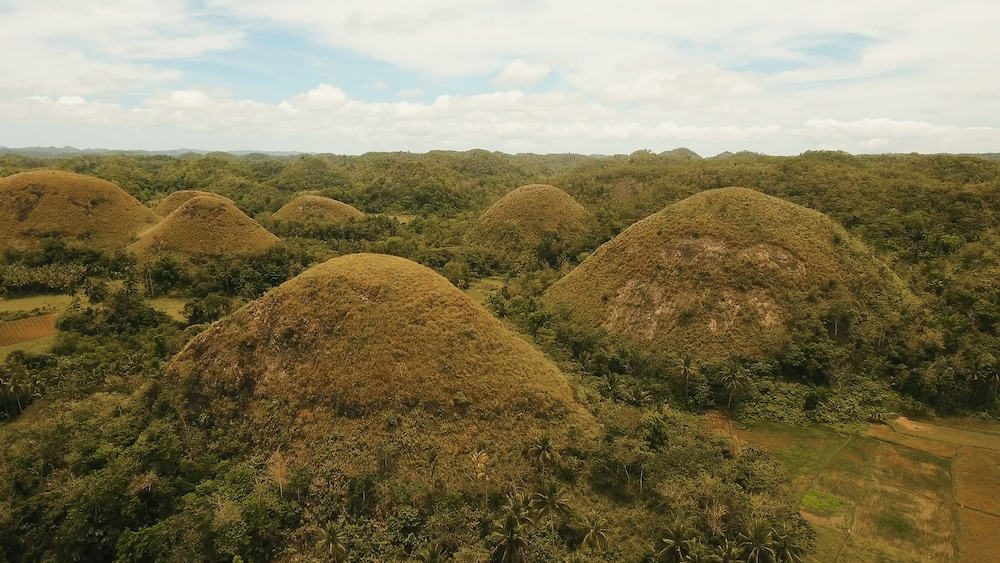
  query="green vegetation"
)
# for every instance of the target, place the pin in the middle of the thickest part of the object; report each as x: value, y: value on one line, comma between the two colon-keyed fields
x: 823, y: 504
x: 346, y: 406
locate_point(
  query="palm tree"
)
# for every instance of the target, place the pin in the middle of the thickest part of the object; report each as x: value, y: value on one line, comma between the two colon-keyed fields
x: 333, y: 543
x: 687, y: 370
x: 432, y: 553
x: 757, y: 543
x: 431, y: 458
x: 786, y: 545
x: 595, y: 532
x: 727, y: 551
x: 698, y: 552
x: 543, y: 453
x: 550, y: 500
x: 519, y: 506
x: 510, y: 542
x: 675, y: 544
x: 735, y: 381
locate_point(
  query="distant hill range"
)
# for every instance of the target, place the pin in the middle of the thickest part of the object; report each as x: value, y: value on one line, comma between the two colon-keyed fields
x: 70, y: 151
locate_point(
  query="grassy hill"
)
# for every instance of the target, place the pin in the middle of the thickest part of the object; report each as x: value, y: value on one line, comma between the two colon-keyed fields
x: 518, y: 224
x: 79, y: 209
x: 179, y: 198
x: 731, y: 271
x: 370, y: 359
x: 318, y: 209
x: 204, y: 226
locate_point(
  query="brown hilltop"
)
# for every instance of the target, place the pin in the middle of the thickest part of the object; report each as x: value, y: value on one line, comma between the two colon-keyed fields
x: 371, y: 355
x: 79, y: 209
x: 179, y: 198
x: 728, y: 272
x: 516, y: 223
x: 314, y: 208
x: 204, y: 226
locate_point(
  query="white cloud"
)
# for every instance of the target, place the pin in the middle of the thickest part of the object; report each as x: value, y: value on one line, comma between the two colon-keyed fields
x: 325, y: 119
x: 520, y: 73
x: 655, y: 73
x: 410, y: 93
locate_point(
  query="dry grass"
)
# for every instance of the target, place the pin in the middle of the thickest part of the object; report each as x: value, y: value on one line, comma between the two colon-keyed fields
x: 905, y: 521
x: 915, y: 471
x: 204, y: 226
x: 850, y: 469
x: 179, y: 198
x: 172, y: 307
x: 26, y: 330
x: 317, y: 209
x: 977, y: 472
x: 39, y: 346
x: 368, y: 359
x: 977, y: 540
x: 80, y: 209
x: 517, y: 222
x: 724, y: 272
x: 947, y: 434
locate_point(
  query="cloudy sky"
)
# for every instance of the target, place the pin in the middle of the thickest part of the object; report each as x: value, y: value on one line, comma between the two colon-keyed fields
x: 775, y: 76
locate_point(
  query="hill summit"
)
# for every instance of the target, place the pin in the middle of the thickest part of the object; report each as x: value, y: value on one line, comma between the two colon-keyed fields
x: 519, y: 222
x: 77, y: 208
x: 318, y: 209
x: 179, y: 198
x: 367, y: 356
x: 729, y: 272
x: 204, y: 226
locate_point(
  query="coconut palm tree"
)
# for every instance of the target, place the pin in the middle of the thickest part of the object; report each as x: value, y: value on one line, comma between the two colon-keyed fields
x: 519, y: 506
x: 734, y: 381
x: 687, y: 369
x: 333, y: 543
x: 432, y: 553
x: 786, y: 545
x: 550, y: 500
x: 757, y: 543
x: 675, y: 544
x: 510, y: 543
x: 543, y: 453
x: 595, y: 532
x: 727, y: 551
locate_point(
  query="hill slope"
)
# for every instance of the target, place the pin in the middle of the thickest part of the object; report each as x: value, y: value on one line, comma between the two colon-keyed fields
x: 179, y: 198
x: 726, y: 272
x: 323, y: 210
x: 518, y: 223
x: 204, y: 226
x: 367, y: 355
x: 80, y: 209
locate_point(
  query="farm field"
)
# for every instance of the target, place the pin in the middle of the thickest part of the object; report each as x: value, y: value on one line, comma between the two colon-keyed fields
x: 35, y: 330
x: 905, y: 491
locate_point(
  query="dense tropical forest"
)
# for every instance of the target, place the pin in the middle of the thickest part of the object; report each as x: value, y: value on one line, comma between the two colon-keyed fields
x: 543, y: 399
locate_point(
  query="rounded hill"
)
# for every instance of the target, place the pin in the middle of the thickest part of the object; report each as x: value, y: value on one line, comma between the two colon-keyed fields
x: 77, y: 208
x: 318, y: 209
x: 370, y: 355
x: 179, y: 198
x: 730, y: 272
x: 520, y: 221
x: 204, y: 226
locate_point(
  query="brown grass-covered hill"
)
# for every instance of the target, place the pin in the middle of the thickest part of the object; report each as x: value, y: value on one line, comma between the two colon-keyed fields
x: 367, y: 362
x: 318, y: 209
x: 80, y: 209
x: 727, y: 272
x: 517, y: 222
x: 204, y: 226
x: 179, y: 198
